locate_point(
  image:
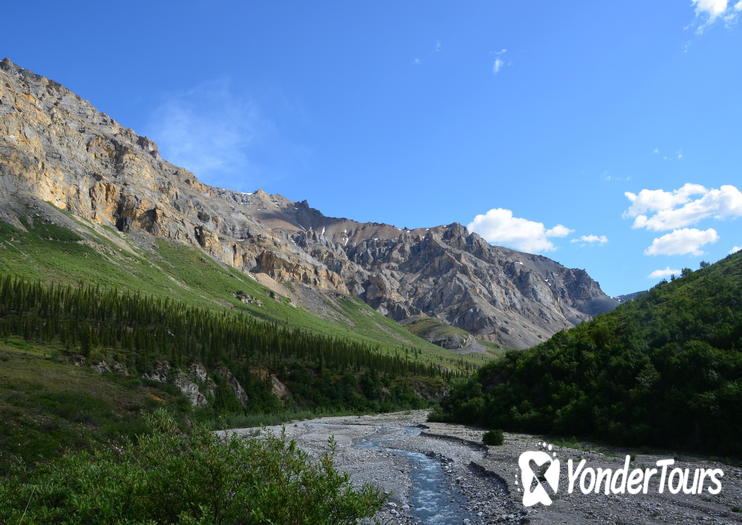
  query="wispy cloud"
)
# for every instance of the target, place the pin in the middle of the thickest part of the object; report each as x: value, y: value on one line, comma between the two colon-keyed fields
x: 735, y: 249
x: 211, y: 130
x: 416, y: 61
x: 615, y: 178
x: 500, y: 227
x: 676, y: 155
x: 500, y: 62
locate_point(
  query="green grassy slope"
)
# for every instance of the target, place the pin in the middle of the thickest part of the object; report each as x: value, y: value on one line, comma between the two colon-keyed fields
x: 664, y: 369
x: 101, y: 255
x: 432, y: 329
x: 47, y: 405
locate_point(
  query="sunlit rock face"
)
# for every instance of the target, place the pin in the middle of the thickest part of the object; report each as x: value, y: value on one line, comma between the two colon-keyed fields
x: 56, y: 147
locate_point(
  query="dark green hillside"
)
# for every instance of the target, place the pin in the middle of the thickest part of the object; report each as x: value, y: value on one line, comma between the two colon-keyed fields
x: 139, y: 331
x: 47, y: 403
x: 146, y: 329
x: 664, y: 369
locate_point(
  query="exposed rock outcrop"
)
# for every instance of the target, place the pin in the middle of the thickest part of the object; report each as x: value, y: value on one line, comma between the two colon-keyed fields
x: 110, y: 366
x: 196, y: 383
x: 278, y: 389
x: 160, y: 372
x: 56, y: 147
x: 234, y: 385
x: 190, y: 389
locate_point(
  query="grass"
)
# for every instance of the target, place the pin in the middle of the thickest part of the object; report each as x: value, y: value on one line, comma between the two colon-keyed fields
x: 47, y: 406
x: 430, y: 328
x: 435, y: 328
x: 104, y: 256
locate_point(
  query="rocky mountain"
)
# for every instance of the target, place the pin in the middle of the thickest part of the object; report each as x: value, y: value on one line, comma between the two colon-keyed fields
x: 57, y: 148
x: 629, y: 296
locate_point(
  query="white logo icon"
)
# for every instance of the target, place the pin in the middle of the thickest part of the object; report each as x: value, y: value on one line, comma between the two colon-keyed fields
x: 537, y: 466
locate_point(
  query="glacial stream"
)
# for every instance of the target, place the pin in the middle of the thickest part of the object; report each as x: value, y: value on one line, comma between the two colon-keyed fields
x: 432, y: 499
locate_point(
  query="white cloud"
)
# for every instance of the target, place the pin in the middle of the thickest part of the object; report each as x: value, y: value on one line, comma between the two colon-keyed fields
x: 735, y: 249
x: 710, y: 8
x: 709, y: 11
x: 659, y: 210
x: 682, y: 242
x: 661, y: 274
x: 500, y: 227
x: 656, y: 200
x: 209, y: 130
x: 558, y: 231
x: 591, y: 239
x: 499, y: 62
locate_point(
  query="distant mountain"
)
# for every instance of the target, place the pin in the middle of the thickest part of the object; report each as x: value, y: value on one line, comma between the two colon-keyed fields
x: 55, y: 147
x: 663, y: 369
x: 620, y: 299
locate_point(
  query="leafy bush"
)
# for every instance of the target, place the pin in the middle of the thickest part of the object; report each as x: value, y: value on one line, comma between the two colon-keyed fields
x: 493, y: 437
x: 196, y: 477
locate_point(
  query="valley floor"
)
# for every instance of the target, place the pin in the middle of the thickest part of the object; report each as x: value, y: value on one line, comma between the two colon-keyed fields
x: 441, y: 473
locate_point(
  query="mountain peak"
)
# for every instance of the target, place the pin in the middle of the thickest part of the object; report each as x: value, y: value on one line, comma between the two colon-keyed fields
x: 57, y: 148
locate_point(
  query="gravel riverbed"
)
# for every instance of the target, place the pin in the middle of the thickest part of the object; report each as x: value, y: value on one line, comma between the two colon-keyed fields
x: 477, y: 484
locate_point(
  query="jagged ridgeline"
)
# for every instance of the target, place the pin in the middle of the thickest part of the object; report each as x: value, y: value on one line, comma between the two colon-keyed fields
x: 664, y: 369
x: 141, y: 331
x: 57, y: 149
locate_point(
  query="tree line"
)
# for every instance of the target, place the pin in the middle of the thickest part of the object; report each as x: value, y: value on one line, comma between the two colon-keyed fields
x: 145, y: 329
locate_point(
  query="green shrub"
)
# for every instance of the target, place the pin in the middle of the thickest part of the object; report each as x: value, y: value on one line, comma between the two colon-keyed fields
x: 493, y: 437
x: 196, y: 477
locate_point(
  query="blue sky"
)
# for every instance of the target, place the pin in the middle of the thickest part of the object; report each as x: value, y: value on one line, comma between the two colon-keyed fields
x: 529, y: 121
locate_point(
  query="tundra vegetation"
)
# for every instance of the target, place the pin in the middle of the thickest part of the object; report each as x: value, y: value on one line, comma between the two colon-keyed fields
x: 168, y: 475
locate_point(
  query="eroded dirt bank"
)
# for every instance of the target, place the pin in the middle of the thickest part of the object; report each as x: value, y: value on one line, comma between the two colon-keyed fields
x: 440, y: 473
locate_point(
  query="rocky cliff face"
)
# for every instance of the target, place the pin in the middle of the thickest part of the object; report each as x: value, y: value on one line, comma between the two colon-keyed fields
x: 56, y: 147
